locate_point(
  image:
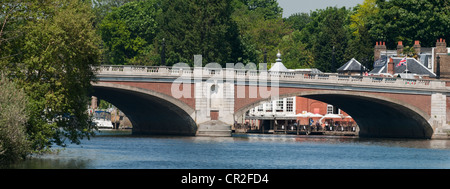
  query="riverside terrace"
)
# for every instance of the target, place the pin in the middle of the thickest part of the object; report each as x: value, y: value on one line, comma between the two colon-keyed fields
x: 381, y: 106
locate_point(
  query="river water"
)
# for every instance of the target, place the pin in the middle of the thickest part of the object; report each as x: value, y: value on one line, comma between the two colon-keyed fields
x: 119, y: 150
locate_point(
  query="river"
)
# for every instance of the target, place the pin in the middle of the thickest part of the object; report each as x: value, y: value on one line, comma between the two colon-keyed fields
x: 119, y: 150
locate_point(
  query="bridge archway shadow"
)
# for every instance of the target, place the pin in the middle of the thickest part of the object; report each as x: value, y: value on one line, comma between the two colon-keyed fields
x: 376, y: 116
x: 150, y: 112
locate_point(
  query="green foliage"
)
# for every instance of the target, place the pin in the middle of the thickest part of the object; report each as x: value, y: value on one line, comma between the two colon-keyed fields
x: 333, y: 34
x: 258, y: 33
x: 198, y: 27
x: 294, y: 52
x: 104, y: 104
x: 101, y: 8
x: 53, y: 65
x: 327, y: 29
x: 128, y: 32
x: 409, y: 20
x: 362, y: 17
x: 13, y: 117
x: 298, y: 21
x: 267, y: 8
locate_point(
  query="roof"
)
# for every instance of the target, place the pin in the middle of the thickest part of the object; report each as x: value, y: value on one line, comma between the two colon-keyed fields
x: 278, y: 67
x: 379, y: 66
x: 414, y: 66
x: 351, y: 65
x: 308, y: 70
x: 425, y: 59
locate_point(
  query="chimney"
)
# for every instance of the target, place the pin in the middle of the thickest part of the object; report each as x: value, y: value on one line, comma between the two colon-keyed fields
x: 441, y: 48
x: 380, y: 47
x: 390, y: 66
x: 400, y: 48
x: 417, y: 47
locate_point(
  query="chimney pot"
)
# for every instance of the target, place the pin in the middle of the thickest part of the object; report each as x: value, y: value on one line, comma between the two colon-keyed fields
x: 400, y: 43
x: 416, y: 42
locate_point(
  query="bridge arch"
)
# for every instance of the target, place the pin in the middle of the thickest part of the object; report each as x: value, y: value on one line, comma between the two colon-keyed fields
x: 376, y: 116
x: 150, y: 112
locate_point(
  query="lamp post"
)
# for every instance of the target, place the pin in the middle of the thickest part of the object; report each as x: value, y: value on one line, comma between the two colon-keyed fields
x: 163, y: 53
x: 333, y: 61
x: 362, y: 70
x: 265, y: 55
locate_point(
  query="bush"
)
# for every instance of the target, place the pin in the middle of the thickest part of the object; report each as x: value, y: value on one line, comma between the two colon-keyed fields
x: 13, y: 117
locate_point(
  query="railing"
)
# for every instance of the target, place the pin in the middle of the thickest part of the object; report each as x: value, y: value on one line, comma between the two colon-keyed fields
x: 241, y: 74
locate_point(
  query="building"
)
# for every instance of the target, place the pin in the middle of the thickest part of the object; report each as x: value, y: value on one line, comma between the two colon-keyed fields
x: 287, y: 113
x: 428, y: 62
x: 352, y: 67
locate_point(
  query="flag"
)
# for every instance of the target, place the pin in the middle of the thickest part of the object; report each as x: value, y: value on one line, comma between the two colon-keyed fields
x: 402, y: 62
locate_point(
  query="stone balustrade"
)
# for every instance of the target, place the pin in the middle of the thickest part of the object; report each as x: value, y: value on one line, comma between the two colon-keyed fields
x: 323, y: 78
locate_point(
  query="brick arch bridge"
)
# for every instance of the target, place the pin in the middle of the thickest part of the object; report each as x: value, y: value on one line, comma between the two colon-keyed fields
x: 377, y: 115
x: 161, y: 100
x: 150, y: 111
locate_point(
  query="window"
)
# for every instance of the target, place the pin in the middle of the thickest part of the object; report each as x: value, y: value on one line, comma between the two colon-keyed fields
x: 329, y: 109
x: 332, y: 109
x: 260, y: 107
x: 289, y: 105
x: 279, y: 105
x: 269, y: 107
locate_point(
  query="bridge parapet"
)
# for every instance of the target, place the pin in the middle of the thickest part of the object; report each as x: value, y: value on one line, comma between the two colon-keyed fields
x: 241, y: 74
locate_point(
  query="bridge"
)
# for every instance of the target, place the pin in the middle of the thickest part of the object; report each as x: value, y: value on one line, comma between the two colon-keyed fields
x: 189, y: 101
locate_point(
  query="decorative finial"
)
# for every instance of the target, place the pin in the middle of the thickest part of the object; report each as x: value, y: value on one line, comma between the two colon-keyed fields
x: 278, y: 56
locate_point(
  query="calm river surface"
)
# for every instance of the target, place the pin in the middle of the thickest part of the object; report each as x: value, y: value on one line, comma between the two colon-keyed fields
x: 117, y: 150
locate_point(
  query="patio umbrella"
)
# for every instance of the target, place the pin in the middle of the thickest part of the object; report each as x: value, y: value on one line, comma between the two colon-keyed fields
x: 329, y: 116
x: 307, y: 115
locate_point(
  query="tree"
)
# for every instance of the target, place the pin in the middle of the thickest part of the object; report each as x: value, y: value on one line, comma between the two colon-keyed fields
x: 331, y: 40
x: 295, y: 54
x: 257, y: 33
x: 53, y: 65
x: 101, y: 8
x: 360, y: 45
x: 128, y: 32
x: 268, y: 8
x: 409, y: 20
x: 363, y: 16
x: 13, y: 117
x: 198, y: 27
x: 298, y: 21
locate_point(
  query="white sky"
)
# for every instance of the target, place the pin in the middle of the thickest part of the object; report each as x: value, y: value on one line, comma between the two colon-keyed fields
x: 296, y: 6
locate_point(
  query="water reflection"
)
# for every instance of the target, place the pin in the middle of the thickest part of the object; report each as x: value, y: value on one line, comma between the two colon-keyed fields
x: 254, y: 151
x: 45, y: 163
x: 388, y: 142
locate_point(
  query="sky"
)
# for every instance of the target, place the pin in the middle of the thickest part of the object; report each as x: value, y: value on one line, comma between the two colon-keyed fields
x: 296, y: 6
